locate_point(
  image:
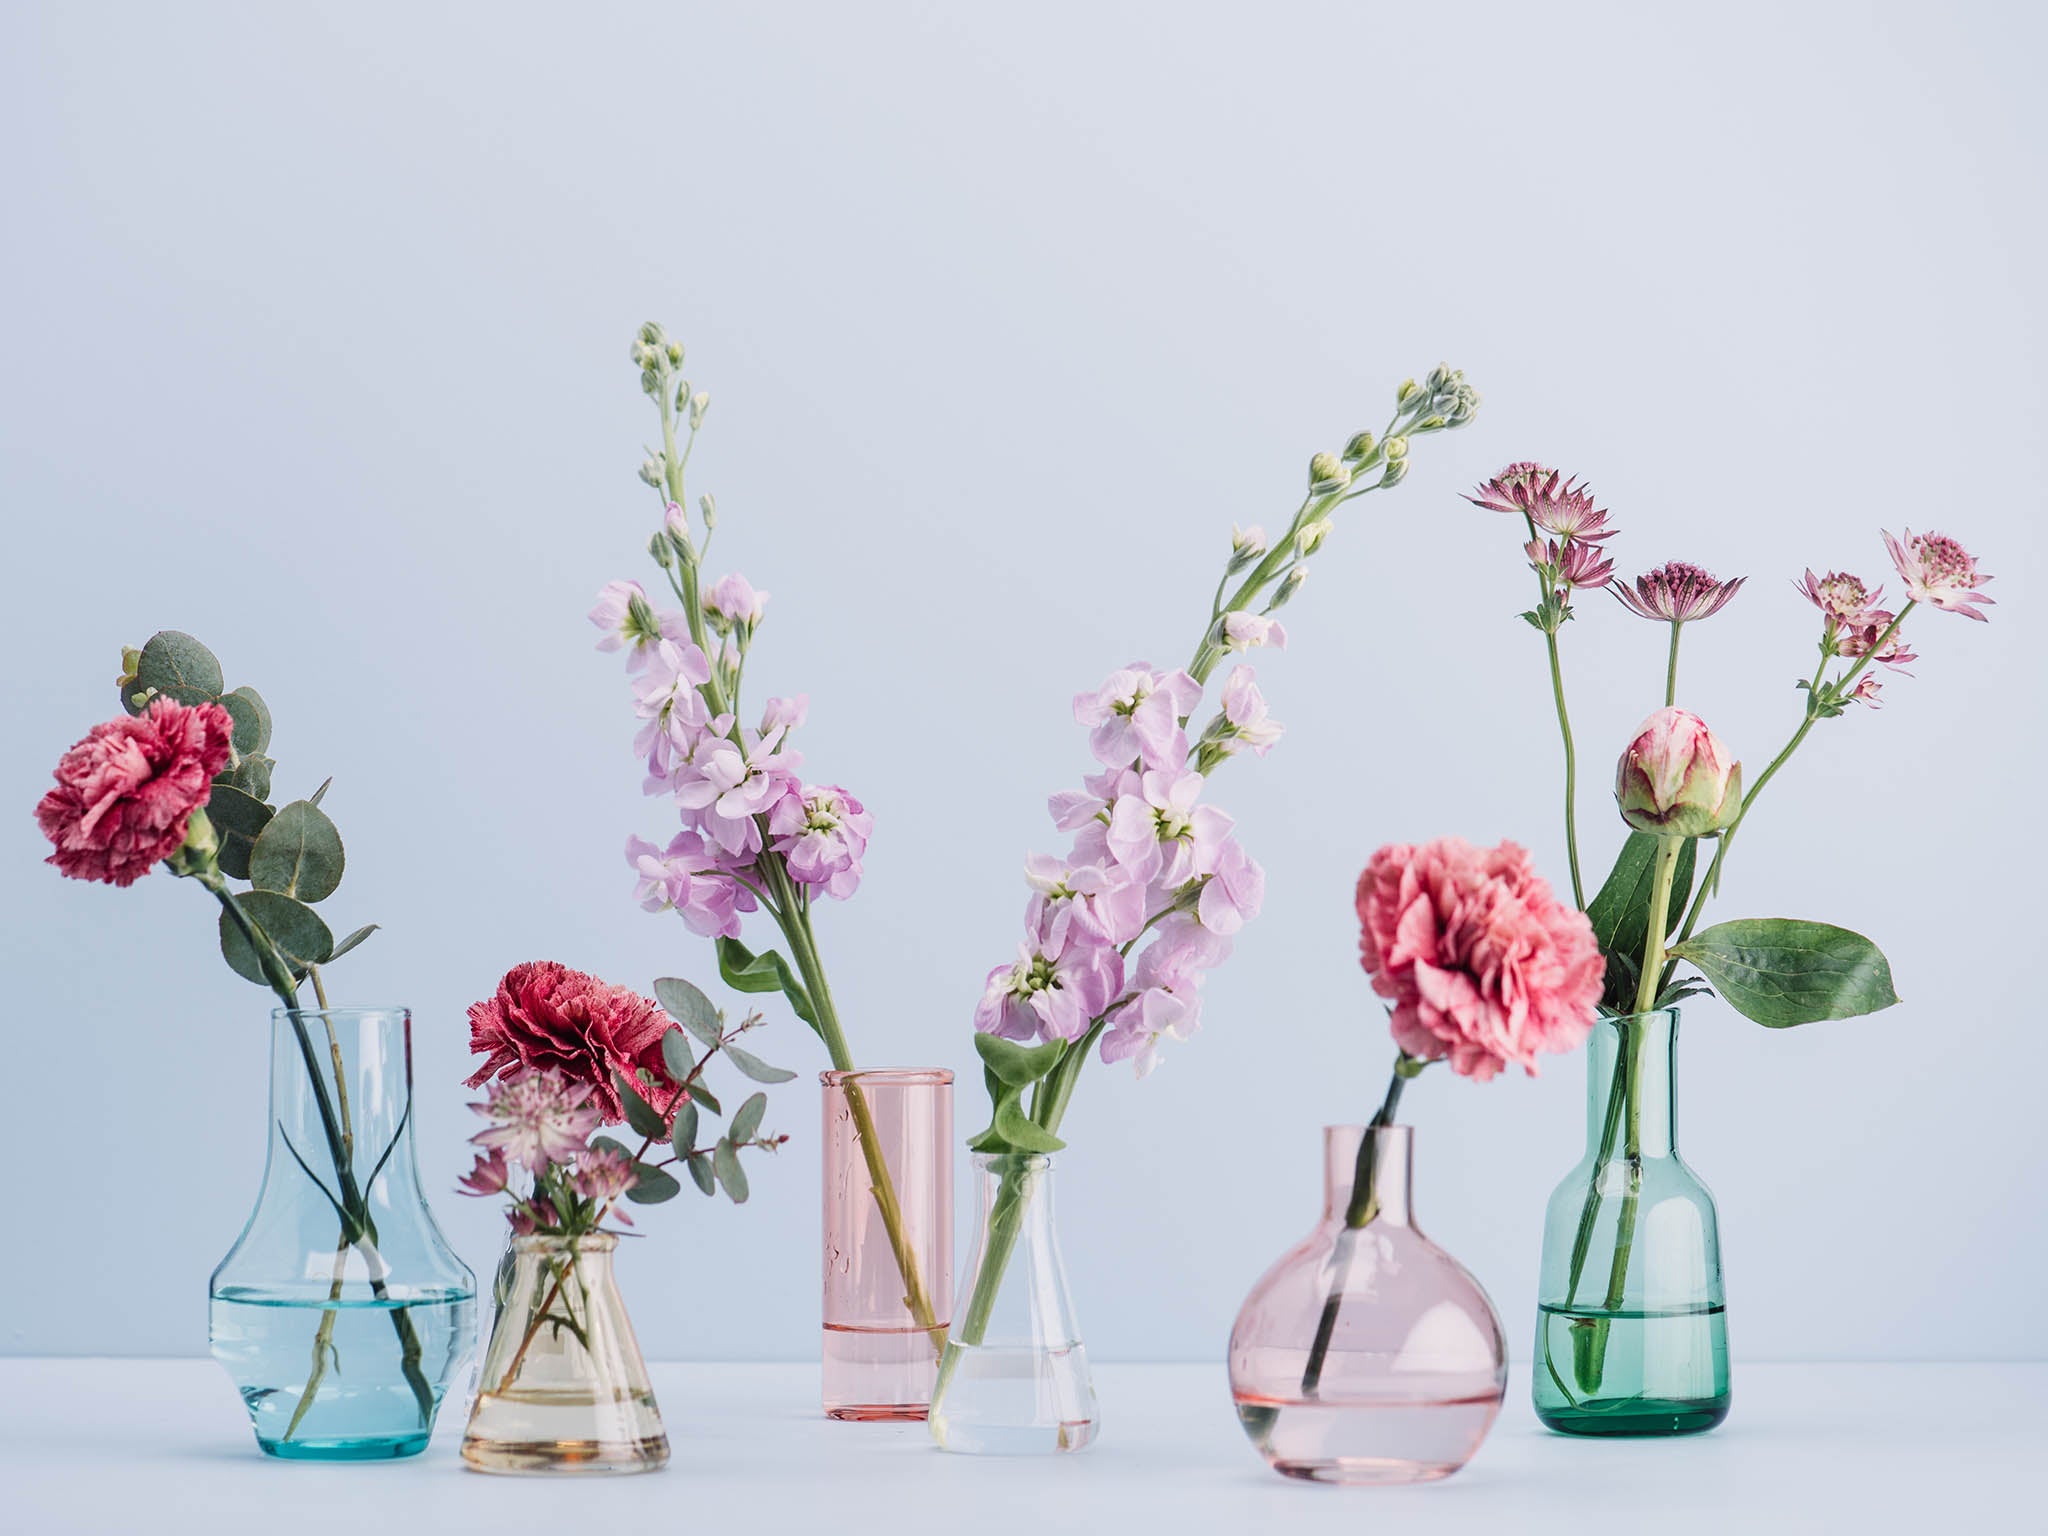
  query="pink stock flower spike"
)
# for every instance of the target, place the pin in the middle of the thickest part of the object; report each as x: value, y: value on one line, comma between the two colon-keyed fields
x: 1939, y: 572
x: 1677, y: 593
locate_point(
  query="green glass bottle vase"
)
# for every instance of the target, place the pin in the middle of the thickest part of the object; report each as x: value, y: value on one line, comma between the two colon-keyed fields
x: 1631, y: 1325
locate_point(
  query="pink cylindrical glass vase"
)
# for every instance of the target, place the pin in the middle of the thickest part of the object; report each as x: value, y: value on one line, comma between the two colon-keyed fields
x: 888, y: 1239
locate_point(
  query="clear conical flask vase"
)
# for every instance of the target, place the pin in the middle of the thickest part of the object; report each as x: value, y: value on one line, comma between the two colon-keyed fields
x: 1014, y: 1379
x: 564, y: 1388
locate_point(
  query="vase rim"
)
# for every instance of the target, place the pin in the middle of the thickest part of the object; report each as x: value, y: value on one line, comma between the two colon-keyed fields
x: 352, y: 1010
x: 1670, y: 1013
x: 886, y: 1077
x: 1397, y: 1127
x: 589, y: 1242
x: 1029, y: 1162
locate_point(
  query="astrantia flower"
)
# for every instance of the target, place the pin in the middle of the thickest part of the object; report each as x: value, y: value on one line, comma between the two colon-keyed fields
x: 1939, y: 571
x: 538, y: 1118
x: 489, y: 1176
x: 1242, y: 631
x: 1244, y: 711
x: 126, y: 793
x: 1677, y: 593
x: 1554, y: 504
x: 822, y: 831
x: 1135, y: 716
x: 603, y: 1174
x: 1578, y: 565
x: 545, y: 1017
x: 1860, y: 639
x: 733, y: 601
x: 1053, y: 991
x: 1867, y: 688
x: 1482, y: 962
x: 630, y: 623
x: 1843, y: 598
x: 690, y: 879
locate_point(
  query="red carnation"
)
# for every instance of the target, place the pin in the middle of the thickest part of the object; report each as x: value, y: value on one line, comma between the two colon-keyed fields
x: 125, y: 794
x: 545, y: 1015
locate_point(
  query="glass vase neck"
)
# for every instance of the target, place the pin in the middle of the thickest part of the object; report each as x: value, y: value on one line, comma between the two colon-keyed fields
x: 1630, y: 1080
x: 1390, y: 1172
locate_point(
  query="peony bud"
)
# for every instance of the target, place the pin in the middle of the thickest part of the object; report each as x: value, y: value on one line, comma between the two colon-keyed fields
x: 1676, y: 779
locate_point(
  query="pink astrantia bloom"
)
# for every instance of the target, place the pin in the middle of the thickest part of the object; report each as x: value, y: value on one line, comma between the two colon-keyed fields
x: 538, y: 1118
x: 603, y: 1174
x: 1167, y: 1004
x: 1677, y: 593
x: 689, y: 878
x: 1242, y: 631
x: 531, y: 1215
x: 1053, y: 991
x: 1483, y: 964
x: 1244, y: 711
x: 1859, y: 639
x: 733, y: 601
x: 1867, y: 688
x: 489, y: 1176
x: 125, y: 795
x: 1135, y: 716
x: 1234, y: 890
x: 1106, y: 903
x: 631, y: 624
x: 1677, y: 779
x: 546, y: 1017
x: 1939, y: 571
x: 1842, y: 598
x: 1159, y: 833
x: 1555, y: 505
x: 822, y: 831
x: 1578, y: 565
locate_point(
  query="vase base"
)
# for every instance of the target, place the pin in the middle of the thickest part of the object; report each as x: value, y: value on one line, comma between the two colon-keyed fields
x: 879, y: 1413
x: 372, y: 1448
x: 1364, y: 1473
x: 548, y: 1457
x: 1639, y: 1417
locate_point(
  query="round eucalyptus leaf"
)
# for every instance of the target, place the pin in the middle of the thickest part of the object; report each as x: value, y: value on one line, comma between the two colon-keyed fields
x: 298, y: 854
x: 239, y: 818
x: 252, y: 719
x: 177, y: 665
x: 293, y: 927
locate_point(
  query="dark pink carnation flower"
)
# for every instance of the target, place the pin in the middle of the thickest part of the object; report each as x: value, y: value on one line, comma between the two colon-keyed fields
x: 1482, y: 963
x: 125, y: 794
x: 545, y: 1015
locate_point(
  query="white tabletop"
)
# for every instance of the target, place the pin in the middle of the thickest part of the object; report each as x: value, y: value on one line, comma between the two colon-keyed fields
x: 162, y: 1446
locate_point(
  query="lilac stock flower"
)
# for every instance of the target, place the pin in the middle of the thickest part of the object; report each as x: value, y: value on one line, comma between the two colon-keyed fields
x: 689, y: 878
x: 631, y: 624
x: 1244, y: 710
x: 733, y: 602
x: 1242, y: 631
x: 1054, y: 991
x: 1135, y: 716
x: 538, y: 1118
x: 822, y: 831
x: 1167, y: 985
x: 1104, y: 904
x: 1158, y: 831
x: 729, y: 783
x: 784, y: 715
x: 666, y: 698
x: 1234, y: 891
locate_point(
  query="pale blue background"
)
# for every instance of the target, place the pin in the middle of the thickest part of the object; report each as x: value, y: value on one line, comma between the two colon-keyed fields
x: 316, y: 345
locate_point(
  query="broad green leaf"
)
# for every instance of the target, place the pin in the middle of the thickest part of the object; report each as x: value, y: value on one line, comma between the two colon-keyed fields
x: 239, y: 818
x: 1620, y: 910
x: 353, y: 940
x: 299, y: 853
x: 746, y: 1120
x: 250, y: 774
x: 753, y: 1066
x: 1018, y: 1066
x: 1021, y: 1131
x: 180, y: 667
x: 252, y: 720
x: 652, y: 1185
x: 725, y: 1163
x: 1781, y: 971
x: 292, y: 927
x: 689, y: 1007
x: 640, y: 1114
x: 677, y: 1056
x: 683, y: 1133
x: 769, y: 972
x: 700, y: 1172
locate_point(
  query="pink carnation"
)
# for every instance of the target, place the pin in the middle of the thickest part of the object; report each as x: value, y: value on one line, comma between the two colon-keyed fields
x: 1482, y: 963
x: 545, y: 1015
x: 125, y: 794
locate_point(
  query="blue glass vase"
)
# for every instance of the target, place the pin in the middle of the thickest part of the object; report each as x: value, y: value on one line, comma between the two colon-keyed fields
x: 341, y: 1312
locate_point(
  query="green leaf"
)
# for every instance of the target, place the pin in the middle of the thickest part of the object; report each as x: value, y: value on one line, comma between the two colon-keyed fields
x: 321, y: 793
x: 239, y: 818
x: 1018, y: 1066
x: 677, y: 1056
x: 689, y: 1007
x: 251, y: 775
x: 353, y: 940
x: 252, y: 720
x: 700, y: 1171
x: 180, y: 667
x: 1620, y: 910
x: 753, y: 1066
x: 746, y: 1120
x: 1020, y: 1130
x: 725, y: 1163
x: 611, y: 1144
x: 640, y: 1114
x: 294, y: 928
x: 1781, y: 971
x: 703, y: 1096
x: 683, y: 1135
x: 746, y: 971
x: 652, y: 1185
x: 299, y: 853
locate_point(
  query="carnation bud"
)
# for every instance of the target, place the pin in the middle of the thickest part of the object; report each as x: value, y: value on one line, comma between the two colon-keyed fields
x: 1676, y: 778
x: 1311, y: 537
x: 699, y: 403
x: 651, y: 471
x: 710, y: 510
x: 1360, y: 447
x: 1325, y: 474
x: 200, y: 848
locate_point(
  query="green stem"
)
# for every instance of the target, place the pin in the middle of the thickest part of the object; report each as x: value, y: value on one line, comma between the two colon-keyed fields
x: 1671, y: 667
x: 1564, y: 728
x: 1668, y: 849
